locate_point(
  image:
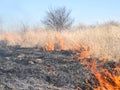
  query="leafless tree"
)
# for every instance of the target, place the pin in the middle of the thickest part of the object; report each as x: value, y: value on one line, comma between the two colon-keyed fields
x: 58, y: 19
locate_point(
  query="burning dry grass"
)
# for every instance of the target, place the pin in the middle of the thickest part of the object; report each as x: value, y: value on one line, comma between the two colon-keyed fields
x: 102, y: 41
x: 108, y: 79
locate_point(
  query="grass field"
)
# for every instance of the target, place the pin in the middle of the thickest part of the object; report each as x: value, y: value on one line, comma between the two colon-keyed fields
x: 102, y: 40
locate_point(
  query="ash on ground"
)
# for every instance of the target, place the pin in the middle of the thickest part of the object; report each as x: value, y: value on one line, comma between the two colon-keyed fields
x: 37, y: 69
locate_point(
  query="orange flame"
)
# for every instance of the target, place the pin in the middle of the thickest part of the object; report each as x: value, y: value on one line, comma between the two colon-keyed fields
x: 49, y: 46
x: 107, y: 80
x: 83, y: 50
x: 61, y: 43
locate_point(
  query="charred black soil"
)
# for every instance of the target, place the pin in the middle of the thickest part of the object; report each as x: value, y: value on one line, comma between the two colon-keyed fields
x: 37, y: 69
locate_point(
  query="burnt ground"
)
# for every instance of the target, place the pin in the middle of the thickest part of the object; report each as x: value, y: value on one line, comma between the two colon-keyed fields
x: 37, y: 69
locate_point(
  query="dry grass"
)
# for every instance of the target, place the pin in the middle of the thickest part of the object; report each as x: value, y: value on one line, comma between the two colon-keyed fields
x: 104, y: 41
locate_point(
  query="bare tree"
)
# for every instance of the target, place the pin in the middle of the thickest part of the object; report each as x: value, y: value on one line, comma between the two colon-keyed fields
x: 58, y: 19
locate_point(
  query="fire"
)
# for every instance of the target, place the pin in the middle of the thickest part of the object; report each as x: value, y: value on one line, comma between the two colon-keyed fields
x: 83, y: 50
x: 84, y: 54
x: 107, y: 80
x: 50, y: 46
x: 61, y: 43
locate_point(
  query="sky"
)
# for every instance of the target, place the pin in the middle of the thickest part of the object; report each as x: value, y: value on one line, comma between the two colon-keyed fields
x: 83, y: 11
